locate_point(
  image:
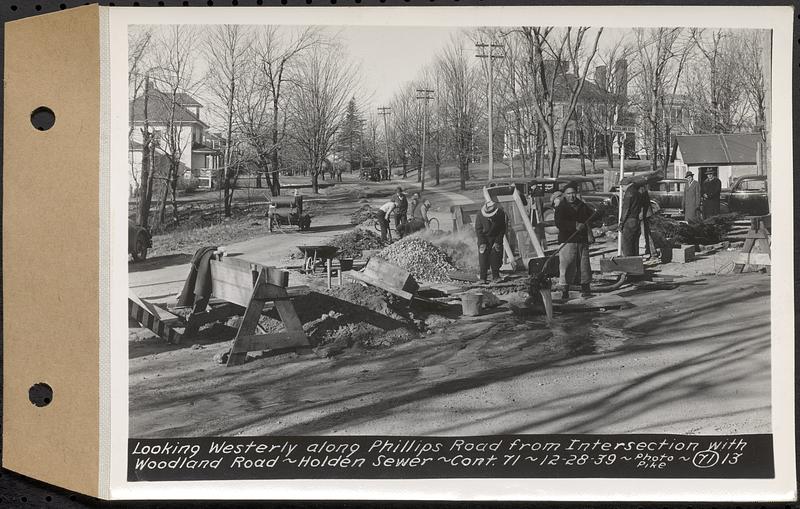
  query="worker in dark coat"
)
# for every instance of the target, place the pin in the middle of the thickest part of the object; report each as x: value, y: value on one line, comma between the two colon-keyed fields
x: 691, y: 199
x: 572, y: 218
x: 401, y: 213
x: 490, y: 228
x: 629, y: 223
x: 711, y: 191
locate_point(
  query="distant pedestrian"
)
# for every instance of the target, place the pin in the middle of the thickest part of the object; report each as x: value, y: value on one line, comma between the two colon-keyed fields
x: 490, y: 228
x: 382, y: 217
x: 711, y: 191
x: 691, y: 199
x: 575, y: 234
x: 401, y: 214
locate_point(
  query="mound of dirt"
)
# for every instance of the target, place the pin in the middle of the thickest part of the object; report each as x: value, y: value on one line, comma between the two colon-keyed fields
x: 365, y: 215
x: 343, y: 316
x: 353, y: 243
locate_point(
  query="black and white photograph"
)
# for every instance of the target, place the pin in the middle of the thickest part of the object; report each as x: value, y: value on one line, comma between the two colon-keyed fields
x: 436, y: 232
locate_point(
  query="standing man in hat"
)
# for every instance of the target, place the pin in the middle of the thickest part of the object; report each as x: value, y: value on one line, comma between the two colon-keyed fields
x: 490, y: 227
x: 575, y: 234
x: 691, y: 199
x: 711, y: 191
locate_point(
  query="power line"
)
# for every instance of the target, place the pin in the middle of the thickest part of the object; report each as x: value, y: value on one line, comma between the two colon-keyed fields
x: 488, y: 52
x: 424, y: 94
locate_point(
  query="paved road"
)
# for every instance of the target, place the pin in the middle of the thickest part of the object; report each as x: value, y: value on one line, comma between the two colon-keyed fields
x: 161, y: 278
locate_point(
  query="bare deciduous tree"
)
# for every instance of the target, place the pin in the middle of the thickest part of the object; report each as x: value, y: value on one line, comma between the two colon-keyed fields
x: 661, y: 56
x: 227, y: 49
x: 139, y: 43
x: 559, y: 60
x: 459, y: 103
x: 325, y: 83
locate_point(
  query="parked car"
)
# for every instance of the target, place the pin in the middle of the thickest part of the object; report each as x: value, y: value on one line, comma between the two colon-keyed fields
x: 747, y: 196
x: 667, y: 196
x: 139, y: 241
x: 602, y: 202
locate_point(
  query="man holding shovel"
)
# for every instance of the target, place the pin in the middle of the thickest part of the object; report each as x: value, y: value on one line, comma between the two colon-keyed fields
x: 572, y: 218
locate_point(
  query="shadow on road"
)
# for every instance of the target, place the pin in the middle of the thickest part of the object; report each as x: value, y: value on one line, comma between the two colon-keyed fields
x: 159, y: 262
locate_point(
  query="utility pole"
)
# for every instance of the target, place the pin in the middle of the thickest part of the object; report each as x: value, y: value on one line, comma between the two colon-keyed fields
x: 488, y: 51
x: 384, y: 112
x: 424, y: 94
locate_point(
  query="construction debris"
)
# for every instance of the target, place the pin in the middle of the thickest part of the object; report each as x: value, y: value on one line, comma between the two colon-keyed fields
x: 675, y: 233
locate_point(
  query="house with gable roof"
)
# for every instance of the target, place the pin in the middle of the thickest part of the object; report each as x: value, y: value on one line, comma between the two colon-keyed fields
x: 199, y: 150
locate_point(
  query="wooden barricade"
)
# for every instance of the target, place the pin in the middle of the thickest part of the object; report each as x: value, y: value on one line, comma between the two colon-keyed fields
x: 242, y: 284
x: 756, y: 250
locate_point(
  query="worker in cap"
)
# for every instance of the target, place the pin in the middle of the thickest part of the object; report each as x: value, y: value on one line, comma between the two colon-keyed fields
x: 572, y: 217
x: 490, y: 228
x: 633, y: 205
x: 691, y: 199
x: 401, y: 213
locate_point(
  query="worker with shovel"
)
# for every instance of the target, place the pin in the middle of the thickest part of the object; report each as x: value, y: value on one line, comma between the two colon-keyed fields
x: 572, y: 217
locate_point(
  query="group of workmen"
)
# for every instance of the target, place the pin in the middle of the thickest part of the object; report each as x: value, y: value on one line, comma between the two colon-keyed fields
x: 410, y: 215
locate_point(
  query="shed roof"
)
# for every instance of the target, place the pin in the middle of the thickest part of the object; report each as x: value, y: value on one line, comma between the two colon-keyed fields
x: 718, y: 149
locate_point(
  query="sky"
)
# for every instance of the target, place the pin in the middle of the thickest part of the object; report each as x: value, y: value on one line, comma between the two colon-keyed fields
x: 391, y: 56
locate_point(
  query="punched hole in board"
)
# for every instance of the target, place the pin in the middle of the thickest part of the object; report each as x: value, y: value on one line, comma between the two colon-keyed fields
x: 40, y: 394
x: 43, y: 118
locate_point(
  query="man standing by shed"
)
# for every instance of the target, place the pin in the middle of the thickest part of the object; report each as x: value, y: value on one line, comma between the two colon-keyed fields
x: 711, y: 191
x: 572, y: 218
x: 490, y: 228
x: 691, y: 199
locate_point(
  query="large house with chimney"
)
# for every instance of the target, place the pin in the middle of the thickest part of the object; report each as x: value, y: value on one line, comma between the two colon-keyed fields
x: 198, y: 150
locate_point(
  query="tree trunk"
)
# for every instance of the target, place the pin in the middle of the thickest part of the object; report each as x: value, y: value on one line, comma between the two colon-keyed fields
x: 608, y: 146
x: 463, y: 168
x: 143, y: 213
x: 438, y: 166
x: 174, y: 192
x: 162, y: 206
x: 580, y: 148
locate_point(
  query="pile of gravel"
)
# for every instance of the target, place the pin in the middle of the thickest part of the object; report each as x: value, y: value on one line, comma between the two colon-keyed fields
x: 424, y: 260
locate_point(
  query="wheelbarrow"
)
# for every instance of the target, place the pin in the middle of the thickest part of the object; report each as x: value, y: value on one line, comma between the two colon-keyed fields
x: 317, y: 254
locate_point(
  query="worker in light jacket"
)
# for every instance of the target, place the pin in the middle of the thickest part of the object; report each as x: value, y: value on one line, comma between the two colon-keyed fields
x: 572, y: 218
x: 490, y: 228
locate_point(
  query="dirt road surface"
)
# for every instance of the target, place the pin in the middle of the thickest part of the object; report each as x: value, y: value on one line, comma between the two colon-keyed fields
x: 695, y: 359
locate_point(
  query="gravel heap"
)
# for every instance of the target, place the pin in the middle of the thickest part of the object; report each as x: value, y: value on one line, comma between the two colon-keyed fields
x: 424, y: 260
x: 351, y: 244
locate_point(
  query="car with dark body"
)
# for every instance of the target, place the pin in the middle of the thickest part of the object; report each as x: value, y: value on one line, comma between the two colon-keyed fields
x: 139, y: 241
x: 606, y: 204
x: 747, y: 196
x: 666, y: 196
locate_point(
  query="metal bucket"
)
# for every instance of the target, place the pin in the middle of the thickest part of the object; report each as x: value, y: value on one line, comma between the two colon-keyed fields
x: 471, y: 304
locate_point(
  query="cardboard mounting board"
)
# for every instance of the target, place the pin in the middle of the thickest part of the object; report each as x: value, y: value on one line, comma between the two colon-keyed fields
x: 51, y: 246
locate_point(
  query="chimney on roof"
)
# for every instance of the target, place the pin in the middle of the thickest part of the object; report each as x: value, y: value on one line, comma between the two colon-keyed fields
x: 621, y: 77
x: 600, y: 76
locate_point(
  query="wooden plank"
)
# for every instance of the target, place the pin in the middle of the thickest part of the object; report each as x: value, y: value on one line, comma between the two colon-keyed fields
x: 391, y: 275
x: 220, y: 312
x: 753, y: 259
x: 164, y: 330
x: 274, y: 341
x: 364, y: 278
x: 247, y: 327
x: 627, y: 264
